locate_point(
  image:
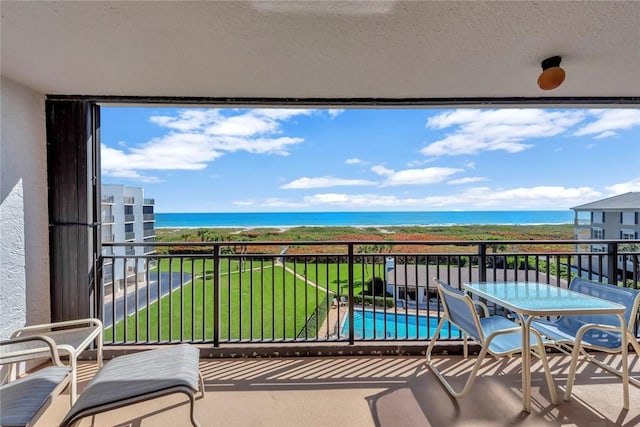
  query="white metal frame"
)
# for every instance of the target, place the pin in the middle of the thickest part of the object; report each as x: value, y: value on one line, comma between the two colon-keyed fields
x: 484, y: 342
x: 94, y: 331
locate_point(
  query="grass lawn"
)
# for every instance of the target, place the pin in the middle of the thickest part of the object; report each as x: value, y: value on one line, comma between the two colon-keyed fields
x: 264, y: 305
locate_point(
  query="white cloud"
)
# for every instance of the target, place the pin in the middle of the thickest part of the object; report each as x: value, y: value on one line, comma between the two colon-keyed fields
x: 467, y: 180
x: 353, y: 161
x: 606, y: 134
x: 539, y: 197
x: 492, y: 130
x: 323, y: 182
x: 624, y: 187
x: 200, y: 136
x: 335, y: 112
x: 414, y: 176
x: 608, y: 121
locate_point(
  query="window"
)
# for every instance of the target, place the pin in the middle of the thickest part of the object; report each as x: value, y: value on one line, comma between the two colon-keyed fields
x: 597, y: 217
x: 128, y: 228
x: 628, y: 234
x: 597, y: 233
x: 628, y: 218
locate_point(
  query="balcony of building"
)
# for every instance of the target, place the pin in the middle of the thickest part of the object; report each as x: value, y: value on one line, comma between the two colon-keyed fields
x: 377, y: 54
x: 147, y: 201
x: 148, y: 217
x: 369, y: 391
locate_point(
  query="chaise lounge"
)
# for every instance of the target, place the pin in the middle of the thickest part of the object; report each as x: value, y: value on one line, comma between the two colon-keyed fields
x: 123, y: 381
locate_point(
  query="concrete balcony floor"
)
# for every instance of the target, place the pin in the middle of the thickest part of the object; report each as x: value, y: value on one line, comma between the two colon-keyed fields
x: 375, y: 392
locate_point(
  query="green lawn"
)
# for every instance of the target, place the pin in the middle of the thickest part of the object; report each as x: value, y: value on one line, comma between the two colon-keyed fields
x: 336, y: 275
x: 263, y: 305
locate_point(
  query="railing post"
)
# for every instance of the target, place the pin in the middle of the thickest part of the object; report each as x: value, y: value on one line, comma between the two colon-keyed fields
x: 350, y: 262
x: 482, y: 262
x: 612, y: 263
x: 216, y: 295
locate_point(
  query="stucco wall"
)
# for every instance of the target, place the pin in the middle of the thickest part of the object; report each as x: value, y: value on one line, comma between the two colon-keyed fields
x: 24, y: 238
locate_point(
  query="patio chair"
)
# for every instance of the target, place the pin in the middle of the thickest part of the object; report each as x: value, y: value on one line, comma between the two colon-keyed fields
x: 71, y: 338
x: 496, y: 335
x: 572, y: 335
x: 23, y: 400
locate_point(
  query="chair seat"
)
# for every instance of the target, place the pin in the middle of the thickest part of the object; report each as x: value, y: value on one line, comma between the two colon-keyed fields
x: 23, y: 398
x: 507, y: 343
x: 564, y: 332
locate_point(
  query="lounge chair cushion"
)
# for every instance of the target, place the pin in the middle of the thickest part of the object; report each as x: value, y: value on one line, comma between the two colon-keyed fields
x: 134, y: 377
x: 21, y: 399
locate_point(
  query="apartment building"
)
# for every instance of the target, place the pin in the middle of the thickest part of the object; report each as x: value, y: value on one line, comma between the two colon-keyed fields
x: 127, y: 216
x: 613, y: 218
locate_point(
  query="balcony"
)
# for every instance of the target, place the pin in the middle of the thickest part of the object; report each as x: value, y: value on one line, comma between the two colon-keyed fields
x: 109, y: 200
x: 149, y: 233
x: 326, y: 293
x: 148, y: 217
x: 129, y: 218
x: 369, y: 391
x: 129, y: 235
x: 129, y: 200
x: 149, y: 202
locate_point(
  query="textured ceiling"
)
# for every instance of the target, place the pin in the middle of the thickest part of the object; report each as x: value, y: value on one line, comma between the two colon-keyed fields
x: 327, y: 49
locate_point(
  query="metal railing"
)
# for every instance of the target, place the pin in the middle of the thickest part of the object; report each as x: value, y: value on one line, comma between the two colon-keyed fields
x: 129, y: 200
x: 148, y: 217
x: 108, y: 219
x: 129, y: 235
x: 129, y: 218
x: 329, y: 292
x: 148, y: 233
x: 149, y: 202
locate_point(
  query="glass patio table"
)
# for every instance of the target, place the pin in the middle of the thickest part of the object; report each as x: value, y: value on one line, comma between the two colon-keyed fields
x: 532, y: 299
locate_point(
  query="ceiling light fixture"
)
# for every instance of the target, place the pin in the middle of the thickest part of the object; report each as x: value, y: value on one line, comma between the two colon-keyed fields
x: 552, y: 75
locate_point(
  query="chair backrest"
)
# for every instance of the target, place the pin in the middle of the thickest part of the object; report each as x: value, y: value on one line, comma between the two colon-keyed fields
x: 459, y: 309
x: 629, y: 298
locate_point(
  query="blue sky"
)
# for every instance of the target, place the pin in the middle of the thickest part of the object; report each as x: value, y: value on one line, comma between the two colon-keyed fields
x: 274, y: 160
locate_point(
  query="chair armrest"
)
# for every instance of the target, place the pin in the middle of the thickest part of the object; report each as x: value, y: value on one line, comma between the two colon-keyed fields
x: 45, y: 327
x: 485, y: 309
x: 21, y: 353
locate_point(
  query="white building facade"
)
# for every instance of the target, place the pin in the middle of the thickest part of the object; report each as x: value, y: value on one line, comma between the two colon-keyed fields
x: 613, y: 218
x: 127, y: 216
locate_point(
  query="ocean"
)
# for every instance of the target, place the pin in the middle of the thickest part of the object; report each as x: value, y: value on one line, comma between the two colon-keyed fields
x: 359, y: 219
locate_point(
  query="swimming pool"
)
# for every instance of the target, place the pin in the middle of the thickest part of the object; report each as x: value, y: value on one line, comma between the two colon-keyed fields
x: 368, y: 325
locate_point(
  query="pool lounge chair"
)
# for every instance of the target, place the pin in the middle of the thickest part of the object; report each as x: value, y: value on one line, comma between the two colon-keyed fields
x: 496, y: 335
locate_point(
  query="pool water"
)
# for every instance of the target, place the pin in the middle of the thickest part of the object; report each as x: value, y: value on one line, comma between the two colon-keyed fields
x: 368, y: 325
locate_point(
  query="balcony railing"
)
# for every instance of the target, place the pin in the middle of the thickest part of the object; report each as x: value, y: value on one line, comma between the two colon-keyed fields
x: 108, y: 219
x: 129, y: 200
x: 149, y: 202
x: 236, y: 293
x: 108, y: 199
x: 148, y: 217
x: 129, y: 218
x: 148, y: 233
x: 129, y: 235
